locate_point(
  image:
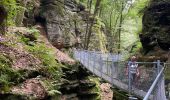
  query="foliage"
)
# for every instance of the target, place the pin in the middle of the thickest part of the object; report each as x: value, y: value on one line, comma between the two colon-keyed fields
x: 122, y: 19
x: 7, y: 75
x: 137, y: 7
x: 133, y: 26
x: 33, y: 33
x: 100, y: 40
x: 52, y: 87
x: 47, y: 58
x: 95, y: 89
x: 49, y: 68
x: 46, y: 55
x: 12, y: 9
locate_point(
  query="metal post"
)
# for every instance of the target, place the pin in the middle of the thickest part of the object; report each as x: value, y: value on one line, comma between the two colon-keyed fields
x: 94, y: 63
x: 107, y: 66
x: 158, y: 66
x: 155, y: 69
x: 129, y: 78
x: 101, y: 64
x: 88, y: 60
x: 153, y: 85
x: 80, y: 55
x: 112, y: 72
x: 84, y: 58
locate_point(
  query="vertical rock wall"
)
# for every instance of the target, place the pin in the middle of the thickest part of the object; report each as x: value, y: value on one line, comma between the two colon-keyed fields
x: 156, y: 26
x: 65, y: 22
x: 155, y: 35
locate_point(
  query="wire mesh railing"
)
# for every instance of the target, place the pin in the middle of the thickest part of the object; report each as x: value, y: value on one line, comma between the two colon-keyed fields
x: 111, y: 68
x: 157, y: 89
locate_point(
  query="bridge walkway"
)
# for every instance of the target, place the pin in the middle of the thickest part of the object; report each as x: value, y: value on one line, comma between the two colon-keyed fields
x: 111, y: 68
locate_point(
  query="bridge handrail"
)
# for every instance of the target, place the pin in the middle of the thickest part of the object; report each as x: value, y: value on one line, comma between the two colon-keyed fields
x: 154, y: 84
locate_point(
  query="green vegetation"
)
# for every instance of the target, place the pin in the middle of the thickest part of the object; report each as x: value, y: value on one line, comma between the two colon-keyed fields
x: 47, y: 57
x: 12, y: 9
x: 122, y: 21
x: 96, y: 89
x: 42, y: 52
x: 99, y: 38
x: 8, y: 76
x: 52, y: 88
x: 104, y: 25
x: 49, y: 67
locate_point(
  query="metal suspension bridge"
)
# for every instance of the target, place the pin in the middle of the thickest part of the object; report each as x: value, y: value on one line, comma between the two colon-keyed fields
x: 111, y: 68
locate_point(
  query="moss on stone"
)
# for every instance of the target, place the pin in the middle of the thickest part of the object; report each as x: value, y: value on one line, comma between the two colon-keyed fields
x: 96, y: 89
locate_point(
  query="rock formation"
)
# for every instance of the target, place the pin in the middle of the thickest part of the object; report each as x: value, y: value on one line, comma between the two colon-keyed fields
x: 155, y: 36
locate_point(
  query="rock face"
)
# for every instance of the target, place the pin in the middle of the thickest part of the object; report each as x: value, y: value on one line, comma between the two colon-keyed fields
x: 58, y: 21
x: 156, y: 26
x: 65, y: 22
x: 31, y: 87
x: 31, y: 72
x: 77, y: 84
x: 155, y: 35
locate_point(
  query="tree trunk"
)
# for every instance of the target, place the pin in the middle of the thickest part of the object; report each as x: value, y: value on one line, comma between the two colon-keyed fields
x: 120, y: 28
x: 97, y: 8
x: 87, y: 26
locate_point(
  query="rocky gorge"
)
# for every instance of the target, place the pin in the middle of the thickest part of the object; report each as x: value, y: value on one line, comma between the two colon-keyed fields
x: 37, y: 38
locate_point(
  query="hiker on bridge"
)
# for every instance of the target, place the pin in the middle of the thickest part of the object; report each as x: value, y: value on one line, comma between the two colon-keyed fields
x: 133, y: 70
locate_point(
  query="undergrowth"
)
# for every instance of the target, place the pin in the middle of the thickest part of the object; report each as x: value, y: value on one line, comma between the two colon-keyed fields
x: 50, y: 68
x: 38, y: 48
x: 8, y: 76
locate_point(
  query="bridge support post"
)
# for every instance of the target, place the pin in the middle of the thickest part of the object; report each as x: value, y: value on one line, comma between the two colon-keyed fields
x: 112, y: 70
x: 107, y: 71
x: 84, y: 58
x: 88, y: 60
x: 158, y: 66
x: 94, y: 59
x: 80, y: 56
x: 129, y: 79
x: 101, y: 64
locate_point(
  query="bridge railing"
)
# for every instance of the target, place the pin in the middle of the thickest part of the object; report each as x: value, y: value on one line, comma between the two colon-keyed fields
x: 111, y: 68
x: 157, y: 88
x: 147, y: 74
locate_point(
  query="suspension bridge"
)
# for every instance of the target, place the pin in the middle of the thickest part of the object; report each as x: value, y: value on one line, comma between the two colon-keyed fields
x: 111, y: 68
